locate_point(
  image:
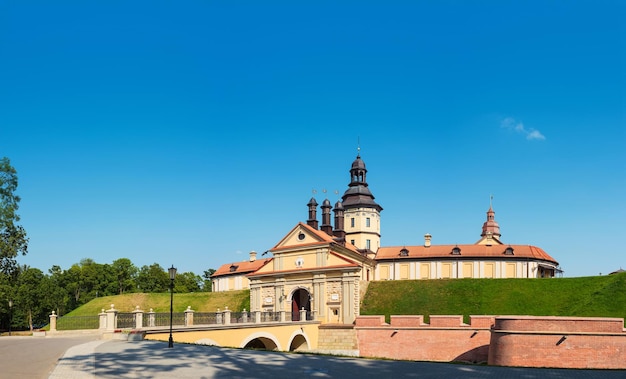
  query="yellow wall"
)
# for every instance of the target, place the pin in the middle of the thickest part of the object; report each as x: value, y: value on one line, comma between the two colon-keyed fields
x: 510, y: 270
x: 446, y: 270
x: 468, y: 269
x: 425, y: 271
x: 490, y: 270
x: 384, y: 272
x: 238, y: 337
x: 404, y: 271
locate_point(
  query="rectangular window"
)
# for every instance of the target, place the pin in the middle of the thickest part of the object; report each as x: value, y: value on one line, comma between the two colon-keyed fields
x: 425, y: 271
x: 404, y: 271
x: 446, y: 270
x: 510, y: 270
x: 468, y: 270
x: 490, y: 270
x: 384, y: 272
x: 367, y: 244
x: 352, y: 222
x: 367, y: 222
x: 352, y: 242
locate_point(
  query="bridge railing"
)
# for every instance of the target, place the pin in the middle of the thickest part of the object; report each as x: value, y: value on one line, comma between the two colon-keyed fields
x: 270, y: 316
x: 125, y: 320
x: 111, y: 319
x: 205, y: 318
x: 77, y: 322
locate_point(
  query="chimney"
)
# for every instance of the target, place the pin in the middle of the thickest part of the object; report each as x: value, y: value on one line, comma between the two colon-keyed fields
x: 427, y: 238
x: 312, y: 221
x: 339, y: 233
x: 326, y: 226
x: 252, y: 256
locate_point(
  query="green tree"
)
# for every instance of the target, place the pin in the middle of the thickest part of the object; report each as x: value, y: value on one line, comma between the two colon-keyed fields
x: 153, y: 278
x: 188, y: 282
x: 208, y: 284
x: 13, y: 239
x: 29, y: 299
x: 88, y: 280
x: 124, y: 272
x: 58, y: 296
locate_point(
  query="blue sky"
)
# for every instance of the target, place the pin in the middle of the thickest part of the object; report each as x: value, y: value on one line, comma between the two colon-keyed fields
x: 190, y: 133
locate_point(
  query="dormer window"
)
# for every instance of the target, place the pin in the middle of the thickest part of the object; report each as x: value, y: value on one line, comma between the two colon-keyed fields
x: 456, y: 251
x: 404, y: 252
x: 233, y: 268
x: 508, y: 251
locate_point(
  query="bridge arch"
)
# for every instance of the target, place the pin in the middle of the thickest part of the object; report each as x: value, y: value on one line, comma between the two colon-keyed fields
x: 299, y: 342
x: 261, y: 340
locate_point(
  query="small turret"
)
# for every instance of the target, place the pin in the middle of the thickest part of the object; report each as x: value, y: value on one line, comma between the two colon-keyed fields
x: 326, y: 225
x: 312, y: 221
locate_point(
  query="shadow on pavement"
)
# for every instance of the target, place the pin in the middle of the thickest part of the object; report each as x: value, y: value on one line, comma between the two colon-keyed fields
x: 153, y: 359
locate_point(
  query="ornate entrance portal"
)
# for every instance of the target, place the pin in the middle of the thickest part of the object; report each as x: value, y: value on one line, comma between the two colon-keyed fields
x: 301, y: 299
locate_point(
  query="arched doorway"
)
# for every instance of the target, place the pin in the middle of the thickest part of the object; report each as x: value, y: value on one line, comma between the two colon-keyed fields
x: 299, y: 300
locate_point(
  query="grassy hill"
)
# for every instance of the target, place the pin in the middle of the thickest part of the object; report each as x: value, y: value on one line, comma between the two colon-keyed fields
x: 160, y: 302
x: 598, y: 296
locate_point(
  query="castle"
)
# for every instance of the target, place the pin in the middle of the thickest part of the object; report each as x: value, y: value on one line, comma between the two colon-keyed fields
x: 320, y: 269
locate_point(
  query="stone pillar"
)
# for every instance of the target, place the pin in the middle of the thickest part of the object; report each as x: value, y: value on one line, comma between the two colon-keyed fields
x: 103, y: 319
x: 257, y: 317
x: 302, y: 314
x: 282, y: 316
x: 226, y: 316
x: 218, y: 317
x: 111, y: 315
x: 189, y: 316
x: 244, y: 316
x: 138, y: 317
x: 53, y: 322
x: 151, y: 318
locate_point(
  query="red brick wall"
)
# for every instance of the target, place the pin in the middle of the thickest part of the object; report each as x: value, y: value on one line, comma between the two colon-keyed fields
x: 527, y: 341
x: 568, y: 342
x: 445, y: 339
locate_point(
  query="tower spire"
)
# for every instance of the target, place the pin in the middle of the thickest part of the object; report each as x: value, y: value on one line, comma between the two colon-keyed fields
x: 491, y: 227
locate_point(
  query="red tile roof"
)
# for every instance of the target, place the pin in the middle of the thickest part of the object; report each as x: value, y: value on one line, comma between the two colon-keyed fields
x: 244, y: 267
x: 323, y: 236
x: 467, y: 251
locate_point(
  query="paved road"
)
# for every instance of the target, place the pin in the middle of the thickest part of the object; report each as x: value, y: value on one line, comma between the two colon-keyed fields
x: 33, y: 357
x: 153, y: 359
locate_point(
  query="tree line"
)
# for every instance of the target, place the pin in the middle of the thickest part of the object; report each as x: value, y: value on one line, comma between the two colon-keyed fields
x: 28, y: 295
x: 35, y: 294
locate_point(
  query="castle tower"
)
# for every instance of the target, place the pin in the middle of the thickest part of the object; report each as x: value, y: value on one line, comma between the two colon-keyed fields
x: 361, y: 212
x: 491, y: 230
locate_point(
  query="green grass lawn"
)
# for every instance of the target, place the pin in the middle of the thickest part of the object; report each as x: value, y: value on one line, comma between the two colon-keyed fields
x: 160, y: 302
x: 598, y: 296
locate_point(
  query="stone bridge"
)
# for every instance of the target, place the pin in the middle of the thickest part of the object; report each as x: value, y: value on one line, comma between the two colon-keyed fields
x: 282, y: 336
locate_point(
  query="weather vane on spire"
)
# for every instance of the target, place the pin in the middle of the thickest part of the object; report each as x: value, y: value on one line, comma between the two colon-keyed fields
x: 490, y: 200
x: 358, y: 146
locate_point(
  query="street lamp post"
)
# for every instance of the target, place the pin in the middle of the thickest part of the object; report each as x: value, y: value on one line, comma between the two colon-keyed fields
x: 10, y: 315
x: 172, y: 272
